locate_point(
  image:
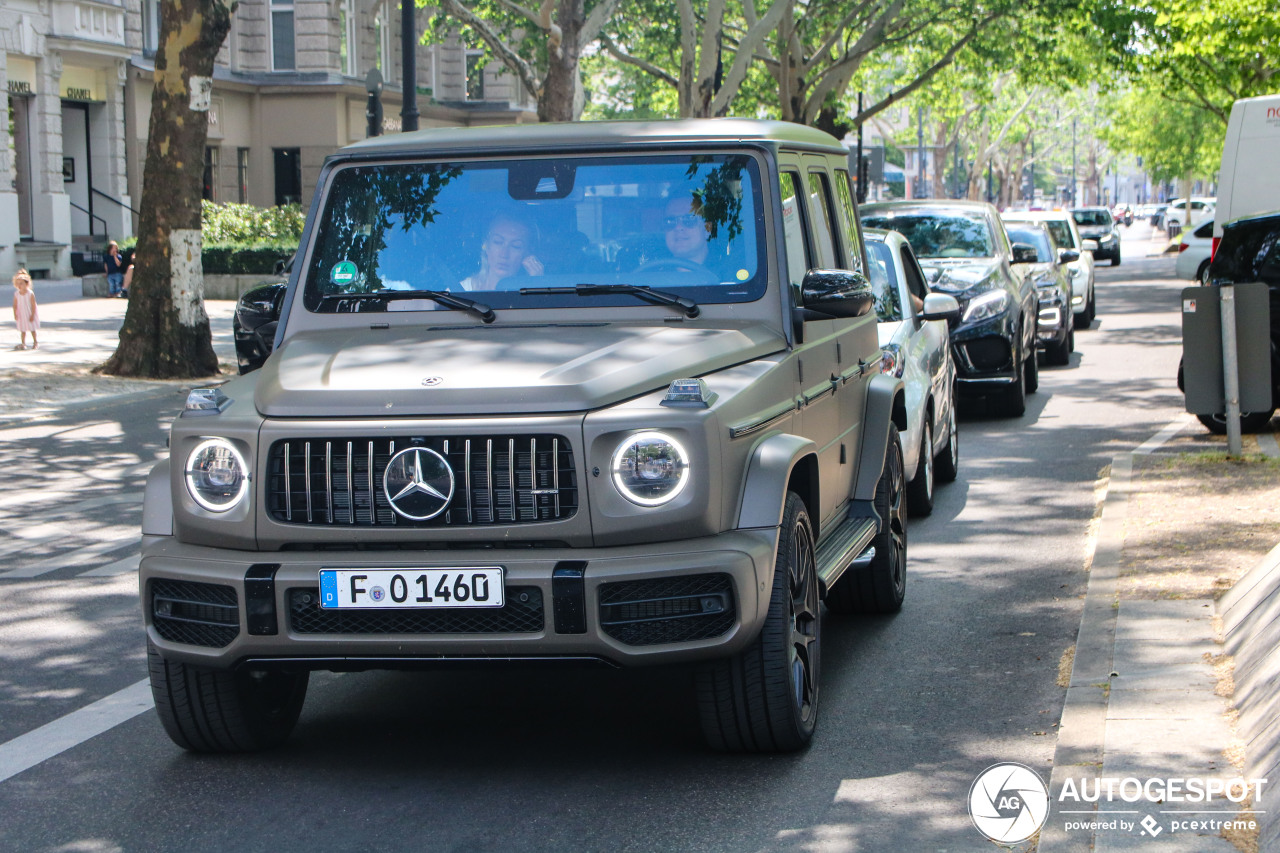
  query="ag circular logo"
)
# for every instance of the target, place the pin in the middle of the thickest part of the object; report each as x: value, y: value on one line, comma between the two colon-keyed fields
x: 418, y: 483
x: 1008, y: 803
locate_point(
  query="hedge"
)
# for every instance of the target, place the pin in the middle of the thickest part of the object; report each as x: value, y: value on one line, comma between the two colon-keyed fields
x: 236, y: 259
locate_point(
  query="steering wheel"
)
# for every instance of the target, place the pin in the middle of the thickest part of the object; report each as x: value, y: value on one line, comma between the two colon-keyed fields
x: 680, y: 264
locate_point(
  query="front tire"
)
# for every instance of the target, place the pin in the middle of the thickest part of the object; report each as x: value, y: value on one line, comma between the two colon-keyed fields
x: 882, y: 586
x: 1250, y: 422
x: 209, y: 710
x: 1115, y: 260
x: 946, y: 466
x: 1032, y: 366
x: 765, y: 699
x: 1013, y: 402
x: 1060, y: 353
x: 920, y: 489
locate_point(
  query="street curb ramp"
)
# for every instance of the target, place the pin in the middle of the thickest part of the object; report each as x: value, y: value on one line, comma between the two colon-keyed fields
x: 1250, y: 613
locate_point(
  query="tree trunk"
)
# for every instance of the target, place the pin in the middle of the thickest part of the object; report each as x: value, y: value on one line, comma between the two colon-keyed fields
x: 166, y: 330
x: 562, y: 83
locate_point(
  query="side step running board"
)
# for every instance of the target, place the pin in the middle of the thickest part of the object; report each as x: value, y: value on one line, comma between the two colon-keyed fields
x: 848, y: 547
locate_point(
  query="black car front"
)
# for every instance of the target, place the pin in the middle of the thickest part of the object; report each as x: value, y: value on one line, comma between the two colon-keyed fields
x: 254, y: 323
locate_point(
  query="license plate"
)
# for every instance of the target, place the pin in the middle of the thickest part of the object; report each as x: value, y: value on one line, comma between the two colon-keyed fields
x: 403, y: 588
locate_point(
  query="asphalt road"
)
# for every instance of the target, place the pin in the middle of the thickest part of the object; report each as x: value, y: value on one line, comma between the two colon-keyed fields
x: 913, y: 707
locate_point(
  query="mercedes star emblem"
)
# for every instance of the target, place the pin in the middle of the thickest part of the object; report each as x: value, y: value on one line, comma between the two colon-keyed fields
x: 432, y: 381
x: 418, y: 483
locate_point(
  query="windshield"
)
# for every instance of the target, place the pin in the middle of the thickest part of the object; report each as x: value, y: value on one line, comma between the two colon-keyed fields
x: 1092, y: 218
x: 1061, y: 232
x: 884, y: 281
x: 690, y: 223
x: 1033, y: 236
x: 938, y: 234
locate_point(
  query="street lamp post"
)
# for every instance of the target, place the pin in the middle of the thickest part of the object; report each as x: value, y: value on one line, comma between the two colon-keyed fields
x: 1074, y: 202
x: 409, y: 66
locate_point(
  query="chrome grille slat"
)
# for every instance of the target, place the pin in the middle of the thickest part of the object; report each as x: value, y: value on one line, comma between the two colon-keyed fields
x: 506, y: 491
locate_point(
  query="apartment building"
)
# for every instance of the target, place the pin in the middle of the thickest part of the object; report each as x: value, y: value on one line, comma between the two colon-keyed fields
x: 289, y: 89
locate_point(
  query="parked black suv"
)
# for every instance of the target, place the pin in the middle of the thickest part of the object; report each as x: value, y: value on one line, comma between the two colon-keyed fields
x: 1095, y: 223
x: 1250, y: 252
x: 965, y: 251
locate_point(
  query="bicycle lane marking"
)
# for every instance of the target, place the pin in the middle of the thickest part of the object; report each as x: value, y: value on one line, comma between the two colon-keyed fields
x: 37, y: 746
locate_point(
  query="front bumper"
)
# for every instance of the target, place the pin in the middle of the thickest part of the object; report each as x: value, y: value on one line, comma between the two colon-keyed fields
x: 667, y: 602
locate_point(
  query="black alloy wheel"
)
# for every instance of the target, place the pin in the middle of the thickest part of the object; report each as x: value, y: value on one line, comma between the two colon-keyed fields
x: 882, y: 586
x: 765, y: 699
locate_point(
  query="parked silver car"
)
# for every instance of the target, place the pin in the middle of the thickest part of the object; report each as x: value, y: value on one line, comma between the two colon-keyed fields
x: 917, y: 348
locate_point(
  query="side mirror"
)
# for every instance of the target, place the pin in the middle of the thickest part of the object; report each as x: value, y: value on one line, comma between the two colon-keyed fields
x: 837, y: 293
x: 1066, y: 256
x: 1024, y: 253
x: 941, y: 306
x: 1089, y: 245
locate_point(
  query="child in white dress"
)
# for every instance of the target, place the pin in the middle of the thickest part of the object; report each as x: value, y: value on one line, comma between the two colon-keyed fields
x: 24, y: 309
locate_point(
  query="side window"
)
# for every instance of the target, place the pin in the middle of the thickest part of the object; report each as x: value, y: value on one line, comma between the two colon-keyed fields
x: 1269, y: 269
x: 793, y: 221
x: 854, y: 245
x: 824, y: 229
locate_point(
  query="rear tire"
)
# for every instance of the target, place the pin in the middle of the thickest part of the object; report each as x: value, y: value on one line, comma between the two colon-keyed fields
x: 1250, y: 422
x: 210, y: 710
x: 920, y: 489
x: 765, y: 699
x: 881, y: 587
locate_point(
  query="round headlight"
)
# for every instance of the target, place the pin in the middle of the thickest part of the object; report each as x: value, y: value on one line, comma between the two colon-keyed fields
x: 217, y: 477
x: 650, y: 468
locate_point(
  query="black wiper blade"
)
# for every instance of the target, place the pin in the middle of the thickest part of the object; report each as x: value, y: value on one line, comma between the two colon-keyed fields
x: 442, y: 297
x: 686, y: 305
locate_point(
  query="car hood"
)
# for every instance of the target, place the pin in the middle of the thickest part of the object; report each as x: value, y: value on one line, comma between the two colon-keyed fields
x: 492, y: 370
x: 962, y: 279
x: 1094, y: 232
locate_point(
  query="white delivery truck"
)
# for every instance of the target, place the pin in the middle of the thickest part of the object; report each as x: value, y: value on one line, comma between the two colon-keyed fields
x: 1250, y: 178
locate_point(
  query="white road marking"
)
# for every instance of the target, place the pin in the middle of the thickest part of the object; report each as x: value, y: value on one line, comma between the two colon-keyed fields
x: 26, y: 751
x: 1156, y: 441
x: 119, y: 567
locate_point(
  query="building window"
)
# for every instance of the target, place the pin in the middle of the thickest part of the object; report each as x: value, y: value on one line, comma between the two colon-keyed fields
x: 475, y: 75
x: 210, y: 192
x: 347, y: 39
x: 242, y: 174
x: 288, y: 175
x: 282, y: 57
x: 150, y: 27
x: 382, y: 36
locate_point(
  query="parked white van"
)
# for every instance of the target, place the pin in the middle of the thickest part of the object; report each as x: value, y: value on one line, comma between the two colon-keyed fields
x: 1250, y: 178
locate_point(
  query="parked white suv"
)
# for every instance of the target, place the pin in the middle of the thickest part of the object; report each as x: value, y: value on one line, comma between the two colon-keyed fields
x: 1062, y: 226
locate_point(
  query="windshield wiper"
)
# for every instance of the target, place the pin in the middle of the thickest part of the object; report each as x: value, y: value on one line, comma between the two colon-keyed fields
x: 661, y: 297
x: 442, y: 297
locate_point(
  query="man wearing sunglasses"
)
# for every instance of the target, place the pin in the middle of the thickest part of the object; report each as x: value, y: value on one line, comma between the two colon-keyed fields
x: 686, y: 231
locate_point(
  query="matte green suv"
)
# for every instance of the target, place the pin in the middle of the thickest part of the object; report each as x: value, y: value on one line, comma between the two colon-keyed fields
x: 607, y: 392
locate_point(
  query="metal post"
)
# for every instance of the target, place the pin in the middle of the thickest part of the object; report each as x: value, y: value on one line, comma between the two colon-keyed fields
x: 1230, y: 370
x: 1074, y: 201
x: 920, y: 153
x: 409, y: 66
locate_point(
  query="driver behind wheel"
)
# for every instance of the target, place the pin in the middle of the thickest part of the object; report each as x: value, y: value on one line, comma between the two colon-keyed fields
x: 686, y: 231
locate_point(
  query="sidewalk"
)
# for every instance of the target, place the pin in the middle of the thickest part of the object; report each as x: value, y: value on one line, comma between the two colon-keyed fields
x: 77, y: 334
x: 1150, y: 682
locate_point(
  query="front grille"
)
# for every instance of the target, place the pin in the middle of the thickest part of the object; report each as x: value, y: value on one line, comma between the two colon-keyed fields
x: 197, y: 614
x: 522, y: 614
x: 667, y: 610
x: 986, y: 354
x: 508, y: 479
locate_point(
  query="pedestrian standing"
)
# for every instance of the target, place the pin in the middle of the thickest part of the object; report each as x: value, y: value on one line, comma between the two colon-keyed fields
x: 128, y: 274
x: 114, y: 265
x: 24, y: 309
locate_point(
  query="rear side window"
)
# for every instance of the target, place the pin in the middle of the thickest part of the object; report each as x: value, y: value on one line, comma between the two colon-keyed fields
x: 1205, y: 231
x: 793, y: 215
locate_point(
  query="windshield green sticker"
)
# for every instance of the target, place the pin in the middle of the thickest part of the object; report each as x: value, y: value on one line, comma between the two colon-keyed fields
x: 343, y: 272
